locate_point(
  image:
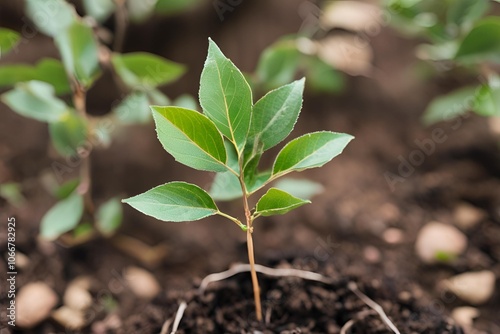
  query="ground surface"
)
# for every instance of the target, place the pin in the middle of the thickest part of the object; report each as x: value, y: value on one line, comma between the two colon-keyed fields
x: 342, y: 234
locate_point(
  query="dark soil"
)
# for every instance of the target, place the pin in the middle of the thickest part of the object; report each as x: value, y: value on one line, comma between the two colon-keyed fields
x: 334, y: 236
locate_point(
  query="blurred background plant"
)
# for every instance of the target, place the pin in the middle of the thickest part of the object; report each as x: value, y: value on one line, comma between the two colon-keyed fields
x: 54, y: 91
x: 462, y: 41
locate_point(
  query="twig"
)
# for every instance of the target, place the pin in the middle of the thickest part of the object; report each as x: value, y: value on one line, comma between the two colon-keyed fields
x: 376, y: 307
x: 347, y: 326
x: 121, y: 20
x: 178, y: 317
x: 166, y: 326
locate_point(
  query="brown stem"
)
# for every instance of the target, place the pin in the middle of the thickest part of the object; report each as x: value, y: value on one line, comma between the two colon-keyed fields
x: 251, y: 258
x: 85, y: 187
x: 120, y: 25
x: 255, y: 281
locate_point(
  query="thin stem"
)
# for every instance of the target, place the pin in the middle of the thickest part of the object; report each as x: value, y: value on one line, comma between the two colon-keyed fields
x: 120, y: 25
x: 255, y: 281
x: 236, y: 221
x: 85, y: 187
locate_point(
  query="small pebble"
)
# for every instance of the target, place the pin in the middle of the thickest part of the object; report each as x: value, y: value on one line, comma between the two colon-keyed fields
x: 467, y: 216
x: 494, y: 123
x: 465, y: 315
x: 22, y: 261
x: 77, y: 297
x: 439, y: 242
x: 34, y: 303
x: 371, y: 254
x: 393, y: 235
x: 142, y: 283
x: 473, y: 287
x: 69, y: 318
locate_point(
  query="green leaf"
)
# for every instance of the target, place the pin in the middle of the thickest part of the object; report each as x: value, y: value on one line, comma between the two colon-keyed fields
x: 175, y: 202
x: 99, y: 9
x: 275, y: 115
x: 191, y: 138
x: 170, y: 7
x: 50, y: 17
x: 145, y: 71
x: 448, y: 106
x: 310, y: 151
x: 62, y: 217
x: 300, y: 188
x: 156, y: 97
x: 277, y: 202
x: 482, y: 42
x: 52, y: 71
x: 35, y: 99
x: 8, y: 39
x: 48, y: 70
x: 134, y: 109
x: 68, y: 133
x: 225, y: 96
x: 79, y: 52
x: 487, y: 102
x: 109, y: 216
x: 465, y: 12
x: 66, y: 188
x: 12, y: 193
x: 278, y: 64
x: 321, y: 77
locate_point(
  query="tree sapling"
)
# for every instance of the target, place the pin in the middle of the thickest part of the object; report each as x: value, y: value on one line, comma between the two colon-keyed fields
x: 229, y: 138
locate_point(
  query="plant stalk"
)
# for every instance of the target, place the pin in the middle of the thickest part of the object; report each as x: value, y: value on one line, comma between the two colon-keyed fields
x: 255, y: 281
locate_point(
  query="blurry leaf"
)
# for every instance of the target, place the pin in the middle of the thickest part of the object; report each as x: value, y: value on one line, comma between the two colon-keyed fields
x: 226, y: 186
x: 48, y: 70
x: 99, y: 9
x: 482, y: 42
x: 487, y: 102
x: 8, y: 39
x: 134, y: 109
x: 465, y: 12
x: 52, y: 71
x: 448, y: 106
x: 310, y: 151
x: 145, y: 71
x: 321, y: 77
x: 12, y: 74
x: 68, y: 133
x: 300, y: 188
x: 11, y: 192
x: 277, y: 202
x: 175, y: 202
x: 83, y: 231
x: 66, y: 188
x: 437, y: 52
x: 158, y: 98
x: 186, y: 101
x: 191, y: 138
x: 275, y: 114
x: 170, y: 7
x: 35, y: 99
x: 62, y: 217
x: 140, y: 10
x: 50, y: 17
x: 109, y: 216
x: 79, y: 52
x: 225, y: 96
x: 278, y: 64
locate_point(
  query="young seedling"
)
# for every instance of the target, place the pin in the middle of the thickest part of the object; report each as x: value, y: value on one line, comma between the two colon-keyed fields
x: 229, y: 138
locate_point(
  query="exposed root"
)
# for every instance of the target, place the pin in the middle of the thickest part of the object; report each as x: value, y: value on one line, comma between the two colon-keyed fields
x: 347, y: 326
x: 376, y: 307
x: 177, y: 320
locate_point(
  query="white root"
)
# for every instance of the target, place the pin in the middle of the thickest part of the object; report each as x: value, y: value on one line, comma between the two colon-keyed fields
x: 347, y: 326
x: 304, y: 274
x: 177, y: 320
